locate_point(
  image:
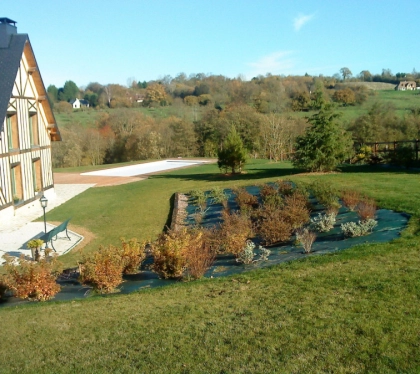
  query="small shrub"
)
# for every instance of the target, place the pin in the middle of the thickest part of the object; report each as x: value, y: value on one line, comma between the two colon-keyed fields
x: 272, y: 226
x: 264, y: 253
x: 350, y: 199
x: 170, y: 253
x: 245, y: 200
x: 366, y: 209
x: 285, y: 187
x: 302, y: 188
x: 32, y: 280
x: 47, y: 252
x: 198, y: 217
x: 326, y: 195
x: 102, y: 270
x: 324, y: 222
x: 233, y: 233
x: 362, y: 155
x: 295, y: 210
x: 375, y: 160
x: 404, y: 155
x: 306, y: 238
x: 362, y: 228
x: 218, y: 196
x: 132, y: 255
x: 199, y: 199
x: 246, y: 255
x: 270, y: 196
x: 3, y: 287
x: 200, y: 255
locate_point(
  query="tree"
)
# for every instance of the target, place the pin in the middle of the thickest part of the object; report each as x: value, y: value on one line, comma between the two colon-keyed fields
x: 233, y: 154
x: 365, y: 76
x: 155, y: 94
x: 69, y: 92
x: 345, y: 97
x: 324, y: 144
x: 52, y: 93
x: 346, y: 73
x: 92, y: 98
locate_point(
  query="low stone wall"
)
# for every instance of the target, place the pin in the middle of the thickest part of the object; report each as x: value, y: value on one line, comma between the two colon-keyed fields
x: 179, y: 213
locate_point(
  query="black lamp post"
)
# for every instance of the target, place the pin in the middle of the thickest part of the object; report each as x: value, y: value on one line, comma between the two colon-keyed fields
x: 44, y: 202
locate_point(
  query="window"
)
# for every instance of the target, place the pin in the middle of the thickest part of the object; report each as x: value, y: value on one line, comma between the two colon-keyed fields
x: 33, y: 128
x: 16, y: 178
x: 36, y: 175
x: 12, y: 131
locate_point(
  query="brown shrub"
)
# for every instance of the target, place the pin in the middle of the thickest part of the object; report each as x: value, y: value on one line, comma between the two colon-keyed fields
x: 102, y: 269
x: 132, y: 255
x: 270, y: 196
x: 200, y: 255
x: 285, y: 187
x: 32, y: 280
x: 272, y: 226
x: 366, y: 209
x: 170, y: 253
x: 350, y: 199
x: 245, y: 200
x: 234, y: 232
x: 295, y: 210
x: 3, y: 287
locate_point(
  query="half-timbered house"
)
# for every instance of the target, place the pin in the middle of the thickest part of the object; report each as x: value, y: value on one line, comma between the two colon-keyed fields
x: 27, y: 124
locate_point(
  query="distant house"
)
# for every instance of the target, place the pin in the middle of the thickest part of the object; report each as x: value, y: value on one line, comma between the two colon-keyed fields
x: 27, y: 125
x: 406, y: 86
x: 79, y: 103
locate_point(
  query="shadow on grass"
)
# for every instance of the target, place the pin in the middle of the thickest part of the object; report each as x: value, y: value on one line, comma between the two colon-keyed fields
x: 250, y: 174
x: 377, y: 169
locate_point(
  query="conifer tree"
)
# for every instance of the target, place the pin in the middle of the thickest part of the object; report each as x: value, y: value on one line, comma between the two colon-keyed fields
x: 233, y: 154
x: 324, y: 144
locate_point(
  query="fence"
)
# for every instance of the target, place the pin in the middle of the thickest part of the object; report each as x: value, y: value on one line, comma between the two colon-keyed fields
x: 381, y: 147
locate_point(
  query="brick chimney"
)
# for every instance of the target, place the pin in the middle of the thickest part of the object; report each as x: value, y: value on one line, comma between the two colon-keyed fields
x: 7, y: 28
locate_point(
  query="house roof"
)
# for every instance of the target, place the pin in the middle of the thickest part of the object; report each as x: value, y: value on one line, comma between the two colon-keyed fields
x: 10, y: 56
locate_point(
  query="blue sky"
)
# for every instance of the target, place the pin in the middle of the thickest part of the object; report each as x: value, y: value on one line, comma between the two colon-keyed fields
x: 110, y: 41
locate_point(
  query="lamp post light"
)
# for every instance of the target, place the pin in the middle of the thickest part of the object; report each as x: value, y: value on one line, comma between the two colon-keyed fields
x: 44, y: 202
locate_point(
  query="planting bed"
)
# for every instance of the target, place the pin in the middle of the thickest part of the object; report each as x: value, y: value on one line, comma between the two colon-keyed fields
x: 389, y: 226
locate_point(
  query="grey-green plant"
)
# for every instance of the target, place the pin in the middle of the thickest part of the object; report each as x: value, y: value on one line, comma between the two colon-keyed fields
x: 246, y: 256
x: 306, y: 238
x: 324, y: 222
x: 218, y: 195
x: 362, y: 228
x: 264, y: 253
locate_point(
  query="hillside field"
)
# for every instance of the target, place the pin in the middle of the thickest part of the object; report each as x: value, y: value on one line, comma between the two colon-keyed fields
x: 401, y: 101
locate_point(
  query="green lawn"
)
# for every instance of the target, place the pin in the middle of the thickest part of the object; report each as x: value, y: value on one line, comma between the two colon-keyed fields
x: 349, y: 312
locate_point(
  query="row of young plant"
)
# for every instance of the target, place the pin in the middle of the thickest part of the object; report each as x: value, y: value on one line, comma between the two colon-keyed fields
x: 281, y: 211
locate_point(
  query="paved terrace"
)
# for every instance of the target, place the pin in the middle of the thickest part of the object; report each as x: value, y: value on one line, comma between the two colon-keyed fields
x: 15, y: 233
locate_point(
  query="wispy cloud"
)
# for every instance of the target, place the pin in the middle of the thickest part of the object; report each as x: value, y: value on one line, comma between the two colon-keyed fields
x: 280, y: 62
x: 301, y: 20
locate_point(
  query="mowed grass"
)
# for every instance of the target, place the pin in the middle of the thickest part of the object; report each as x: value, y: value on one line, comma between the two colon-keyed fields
x: 348, y: 312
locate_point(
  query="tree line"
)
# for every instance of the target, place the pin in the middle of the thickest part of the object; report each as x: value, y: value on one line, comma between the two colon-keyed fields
x: 203, y: 108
